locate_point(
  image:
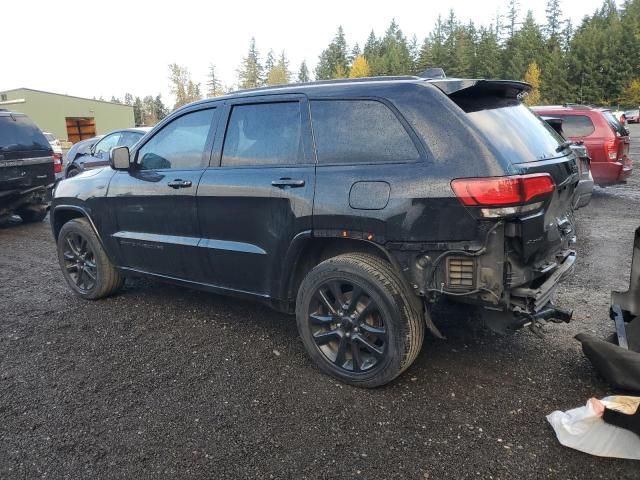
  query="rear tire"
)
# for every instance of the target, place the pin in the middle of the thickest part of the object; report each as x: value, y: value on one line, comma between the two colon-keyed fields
x: 72, y: 172
x: 84, y: 263
x: 33, y: 216
x: 367, y: 342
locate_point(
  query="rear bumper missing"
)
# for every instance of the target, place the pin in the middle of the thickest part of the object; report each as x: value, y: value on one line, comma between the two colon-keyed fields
x: 533, y: 300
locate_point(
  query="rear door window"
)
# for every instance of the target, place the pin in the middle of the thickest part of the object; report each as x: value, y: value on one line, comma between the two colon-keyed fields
x: 576, y: 125
x: 359, y: 131
x: 263, y: 134
x: 19, y: 133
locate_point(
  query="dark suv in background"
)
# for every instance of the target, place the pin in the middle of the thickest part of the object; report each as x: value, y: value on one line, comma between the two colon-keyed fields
x: 26, y: 168
x: 354, y: 204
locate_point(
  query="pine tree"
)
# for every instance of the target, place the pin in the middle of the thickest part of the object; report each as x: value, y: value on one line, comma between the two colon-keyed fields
x: 553, y: 28
x: 599, y: 59
x: 554, y: 83
x: 213, y: 83
x: 138, y: 117
x: 532, y: 77
x: 526, y: 47
x: 414, y: 53
x: 334, y: 59
x: 488, y: 54
x: 279, y: 72
x: 394, y: 57
x: 512, y: 18
x: 159, y: 107
x: 181, y: 85
x: 149, y: 117
x: 434, y: 52
x: 303, y: 73
x: 128, y: 99
x: 115, y: 99
x: 359, y: 68
x: 250, y: 71
x: 355, y: 51
x: 270, y: 62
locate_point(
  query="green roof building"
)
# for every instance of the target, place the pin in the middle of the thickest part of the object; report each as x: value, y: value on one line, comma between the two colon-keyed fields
x: 67, y: 117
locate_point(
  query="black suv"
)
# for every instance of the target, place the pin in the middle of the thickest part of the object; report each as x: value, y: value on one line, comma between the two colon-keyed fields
x: 26, y: 168
x: 354, y: 204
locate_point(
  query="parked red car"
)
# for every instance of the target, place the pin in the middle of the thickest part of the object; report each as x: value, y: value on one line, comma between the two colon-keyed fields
x: 605, y: 138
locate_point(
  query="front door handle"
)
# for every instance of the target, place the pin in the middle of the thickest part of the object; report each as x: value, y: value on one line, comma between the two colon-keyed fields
x: 177, y: 183
x: 287, y: 182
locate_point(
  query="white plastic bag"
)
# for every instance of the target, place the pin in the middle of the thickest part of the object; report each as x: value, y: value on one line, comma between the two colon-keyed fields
x: 581, y: 429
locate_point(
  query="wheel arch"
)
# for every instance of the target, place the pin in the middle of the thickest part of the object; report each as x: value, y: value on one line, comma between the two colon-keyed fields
x: 307, y: 251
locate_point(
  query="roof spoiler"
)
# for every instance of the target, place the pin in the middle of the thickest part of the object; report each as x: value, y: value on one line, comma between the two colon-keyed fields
x: 479, y: 87
x: 431, y: 73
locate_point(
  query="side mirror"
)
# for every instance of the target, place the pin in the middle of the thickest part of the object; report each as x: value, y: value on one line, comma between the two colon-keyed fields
x: 119, y: 158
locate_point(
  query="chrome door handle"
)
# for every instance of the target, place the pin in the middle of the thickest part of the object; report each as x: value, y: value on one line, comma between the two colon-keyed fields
x: 177, y: 183
x: 287, y: 182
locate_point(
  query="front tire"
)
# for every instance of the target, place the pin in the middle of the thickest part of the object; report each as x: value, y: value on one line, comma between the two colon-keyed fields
x: 84, y: 263
x: 357, y: 321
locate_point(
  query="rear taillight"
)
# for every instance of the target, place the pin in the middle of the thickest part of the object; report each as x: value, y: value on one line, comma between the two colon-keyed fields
x: 611, y: 150
x: 507, y: 195
x: 57, y: 162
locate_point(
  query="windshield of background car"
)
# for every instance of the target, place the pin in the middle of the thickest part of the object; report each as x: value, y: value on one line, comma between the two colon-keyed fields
x: 615, y: 124
x: 19, y: 133
x: 632, y: 113
x: 513, y: 129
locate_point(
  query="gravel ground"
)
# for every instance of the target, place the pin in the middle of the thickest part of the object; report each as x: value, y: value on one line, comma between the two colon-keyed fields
x: 165, y: 382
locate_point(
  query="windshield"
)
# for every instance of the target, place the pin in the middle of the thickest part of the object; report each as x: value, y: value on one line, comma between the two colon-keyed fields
x: 18, y: 133
x: 515, y: 130
x: 632, y: 113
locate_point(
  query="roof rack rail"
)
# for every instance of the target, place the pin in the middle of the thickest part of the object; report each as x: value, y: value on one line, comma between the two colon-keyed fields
x: 578, y: 106
x: 380, y: 78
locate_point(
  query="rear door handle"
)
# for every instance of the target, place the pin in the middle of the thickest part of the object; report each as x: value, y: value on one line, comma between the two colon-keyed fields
x: 287, y: 182
x: 177, y: 183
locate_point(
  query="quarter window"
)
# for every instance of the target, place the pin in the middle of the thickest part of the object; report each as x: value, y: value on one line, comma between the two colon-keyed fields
x: 263, y: 134
x: 359, y: 131
x: 180, y: 144
x: 576, y: 125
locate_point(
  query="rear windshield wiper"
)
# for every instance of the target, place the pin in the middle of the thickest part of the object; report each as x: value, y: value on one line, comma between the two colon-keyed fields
x: 563, y: 145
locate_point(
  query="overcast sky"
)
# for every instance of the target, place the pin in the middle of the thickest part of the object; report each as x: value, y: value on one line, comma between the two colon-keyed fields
x: 104, y: 48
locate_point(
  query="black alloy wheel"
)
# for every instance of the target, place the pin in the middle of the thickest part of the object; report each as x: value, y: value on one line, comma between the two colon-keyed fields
x: 79, y: 261
x: 347, y: 326
x: 357, y: 319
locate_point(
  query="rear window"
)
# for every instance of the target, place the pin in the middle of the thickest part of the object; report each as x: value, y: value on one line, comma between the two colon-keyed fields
x: 19, y: 133
x: 614, y: 123
x: 577, y: 125
x: 359, y: 131
x: 513, y: 129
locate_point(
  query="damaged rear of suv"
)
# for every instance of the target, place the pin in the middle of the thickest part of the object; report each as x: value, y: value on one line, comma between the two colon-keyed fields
x: 355, y: 204
x: 523, y: 214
